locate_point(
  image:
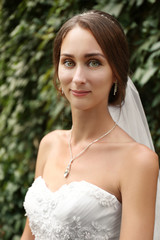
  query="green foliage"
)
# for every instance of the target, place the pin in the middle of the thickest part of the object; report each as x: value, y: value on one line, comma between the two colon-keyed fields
x: 29, y: 106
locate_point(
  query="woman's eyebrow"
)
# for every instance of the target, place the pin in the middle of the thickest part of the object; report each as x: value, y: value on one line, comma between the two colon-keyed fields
x: 87, y: 55
x: 66, y: 55
x: 94, y: 55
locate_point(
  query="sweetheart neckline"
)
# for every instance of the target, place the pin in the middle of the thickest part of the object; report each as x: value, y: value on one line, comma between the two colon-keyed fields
x: 76, y: 182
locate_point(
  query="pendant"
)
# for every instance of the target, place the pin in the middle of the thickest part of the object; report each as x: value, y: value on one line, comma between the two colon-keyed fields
x: 66, y: 173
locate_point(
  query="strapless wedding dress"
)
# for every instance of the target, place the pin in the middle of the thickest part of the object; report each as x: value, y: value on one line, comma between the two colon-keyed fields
x: 76, y: 211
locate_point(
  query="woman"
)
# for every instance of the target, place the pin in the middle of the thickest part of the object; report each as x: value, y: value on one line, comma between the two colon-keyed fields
x: 93, y: 181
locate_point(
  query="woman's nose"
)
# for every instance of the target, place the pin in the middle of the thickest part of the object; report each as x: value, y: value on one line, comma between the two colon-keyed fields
x: 79, y: 75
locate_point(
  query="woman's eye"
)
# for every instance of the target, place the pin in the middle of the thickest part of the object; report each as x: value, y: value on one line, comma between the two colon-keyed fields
x: 69, y: 63
x: 94, y: 63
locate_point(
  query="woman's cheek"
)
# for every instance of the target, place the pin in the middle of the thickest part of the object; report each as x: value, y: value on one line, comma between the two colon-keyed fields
x: 64, y: 77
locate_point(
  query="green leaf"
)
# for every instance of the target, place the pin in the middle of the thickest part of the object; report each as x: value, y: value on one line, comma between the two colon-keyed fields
x: 155, y: 46
x: 147, y: 74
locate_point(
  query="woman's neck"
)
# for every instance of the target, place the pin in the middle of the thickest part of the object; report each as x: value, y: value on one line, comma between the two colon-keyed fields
x: 89, y: 125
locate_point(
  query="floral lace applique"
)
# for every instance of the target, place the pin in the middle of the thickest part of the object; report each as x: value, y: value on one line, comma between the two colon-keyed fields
x: 104, y: 198
x: 71, y: 231
x: 73, y: 212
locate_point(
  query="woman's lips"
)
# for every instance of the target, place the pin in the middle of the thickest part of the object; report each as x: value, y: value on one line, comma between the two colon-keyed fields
x: 80, y: 93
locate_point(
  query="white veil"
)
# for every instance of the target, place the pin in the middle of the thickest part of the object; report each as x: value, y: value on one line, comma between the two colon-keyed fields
x: 131, y: 118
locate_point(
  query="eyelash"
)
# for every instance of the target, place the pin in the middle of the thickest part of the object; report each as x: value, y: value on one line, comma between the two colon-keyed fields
x: 66, y: 61
x: 95, y: 61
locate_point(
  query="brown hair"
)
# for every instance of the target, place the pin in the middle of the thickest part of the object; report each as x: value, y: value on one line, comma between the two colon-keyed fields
x: 110, y: 37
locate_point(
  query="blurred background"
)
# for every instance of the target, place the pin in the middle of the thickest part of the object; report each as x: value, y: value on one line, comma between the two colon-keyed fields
x: 29, y: 106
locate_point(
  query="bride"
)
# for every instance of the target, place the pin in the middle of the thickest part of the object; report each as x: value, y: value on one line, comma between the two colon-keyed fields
x: 96, y: 181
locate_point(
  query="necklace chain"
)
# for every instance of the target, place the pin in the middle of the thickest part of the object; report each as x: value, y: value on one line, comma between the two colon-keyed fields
x: 67, y: 171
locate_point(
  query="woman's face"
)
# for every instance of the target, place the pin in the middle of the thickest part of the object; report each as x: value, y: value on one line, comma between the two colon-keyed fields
x: 84, y: 72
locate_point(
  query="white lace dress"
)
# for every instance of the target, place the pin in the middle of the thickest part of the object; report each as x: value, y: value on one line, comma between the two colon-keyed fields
x: 77, y: 211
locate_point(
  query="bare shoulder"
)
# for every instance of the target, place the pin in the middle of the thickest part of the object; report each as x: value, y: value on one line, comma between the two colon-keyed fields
x: 49, y: 142
x: 53, y: 137
x: 143, y: 157
x: 140, y: 163
x: 136, y: 154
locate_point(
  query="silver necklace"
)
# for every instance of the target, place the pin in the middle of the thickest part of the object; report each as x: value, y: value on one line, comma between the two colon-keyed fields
x: 68, y: 169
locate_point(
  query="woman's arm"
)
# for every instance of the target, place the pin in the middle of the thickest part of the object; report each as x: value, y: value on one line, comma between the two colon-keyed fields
x: 138, y: 188
x: 27, y: 235
x: 42, y: 155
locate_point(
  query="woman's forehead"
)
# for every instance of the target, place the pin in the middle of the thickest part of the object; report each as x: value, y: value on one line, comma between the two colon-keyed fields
x: 78, y: 40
